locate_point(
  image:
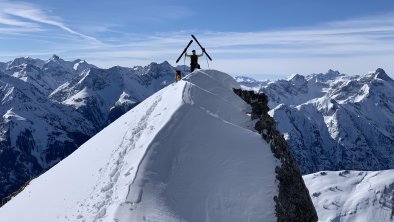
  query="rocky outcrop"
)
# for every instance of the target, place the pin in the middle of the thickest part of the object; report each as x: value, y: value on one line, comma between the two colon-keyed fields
x: 293, y: 202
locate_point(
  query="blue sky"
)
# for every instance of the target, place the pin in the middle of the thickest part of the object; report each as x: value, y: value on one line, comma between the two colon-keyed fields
x: 244, y: 37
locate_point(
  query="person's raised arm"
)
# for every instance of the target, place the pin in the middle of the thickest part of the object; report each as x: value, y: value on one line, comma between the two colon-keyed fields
x: 187, y: 55
x: 202, y: 52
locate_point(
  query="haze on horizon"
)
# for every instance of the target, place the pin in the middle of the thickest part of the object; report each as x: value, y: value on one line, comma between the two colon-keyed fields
x: 250, y: 38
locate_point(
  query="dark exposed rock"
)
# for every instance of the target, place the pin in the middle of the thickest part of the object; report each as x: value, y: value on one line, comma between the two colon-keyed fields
x: 118, y: 110
x: 14, y: 173
x: 293, y: 202
x: 381, y: 74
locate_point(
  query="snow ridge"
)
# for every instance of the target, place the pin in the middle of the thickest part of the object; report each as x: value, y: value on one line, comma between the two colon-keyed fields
x: 187, y: 153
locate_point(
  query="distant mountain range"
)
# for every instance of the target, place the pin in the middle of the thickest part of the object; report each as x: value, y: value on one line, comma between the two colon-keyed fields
x: 333, y: 121
x: 49, y: 108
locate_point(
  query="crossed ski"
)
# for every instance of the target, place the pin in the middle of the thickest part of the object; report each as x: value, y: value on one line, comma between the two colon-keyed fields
x: 191, y: 41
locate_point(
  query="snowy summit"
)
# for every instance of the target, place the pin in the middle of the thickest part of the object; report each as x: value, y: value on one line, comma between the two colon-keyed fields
x: 187, y: 153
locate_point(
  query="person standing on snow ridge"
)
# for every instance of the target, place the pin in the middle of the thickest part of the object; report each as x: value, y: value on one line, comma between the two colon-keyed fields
x: 194, y: 59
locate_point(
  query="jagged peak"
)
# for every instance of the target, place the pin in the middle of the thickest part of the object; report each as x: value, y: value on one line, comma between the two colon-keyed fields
x: 333, y: 72
x: 55, y: 57
x: 157, y: 69
x: 165, y: 63
x: 322, y: 77
x: 155, y: 64
x: 297, y: 80
x: 23, y: 60
x: 55, y: 60
x: 20, y: 60
x: 381, y: 74
x: 296, y: 75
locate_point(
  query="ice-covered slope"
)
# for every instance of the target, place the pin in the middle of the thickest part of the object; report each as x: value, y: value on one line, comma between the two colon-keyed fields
x: 187, y: 153
x: 361, y: 196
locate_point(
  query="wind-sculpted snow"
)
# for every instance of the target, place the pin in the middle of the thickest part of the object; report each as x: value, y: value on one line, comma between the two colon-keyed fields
x: 49, y: 108
x: 361, y: 196
x: 334, y: 122
x: 187, y: 153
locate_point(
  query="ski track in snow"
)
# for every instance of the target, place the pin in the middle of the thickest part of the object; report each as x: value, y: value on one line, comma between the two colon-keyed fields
x: 118, y: 158
x: 187, y: 99
x: 143, y: 191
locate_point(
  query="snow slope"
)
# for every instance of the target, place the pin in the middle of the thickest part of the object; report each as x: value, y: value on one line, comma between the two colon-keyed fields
x: 352, y: 195
x: 184, y: 154
x: 49, y: 108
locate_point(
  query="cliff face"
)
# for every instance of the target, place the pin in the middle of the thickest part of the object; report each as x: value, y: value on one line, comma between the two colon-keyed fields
x: 293, y: 202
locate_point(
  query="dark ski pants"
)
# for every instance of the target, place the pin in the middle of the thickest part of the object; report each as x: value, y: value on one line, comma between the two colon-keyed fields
x: 194, y: 66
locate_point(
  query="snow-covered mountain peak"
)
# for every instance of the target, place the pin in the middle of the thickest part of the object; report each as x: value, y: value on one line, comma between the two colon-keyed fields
x: 157, y: 70
x: 24, y: 60
x: 187, y: 153
x: 294, y: 76
x: 381, y: 74
x: 81, y: 65
x: 333, y: 74
x: 298, y: 80
x: 62, y: 71
x: 102, y: 95
x: 56, y: 61
x: 55, y: 57
x: 323, y: 78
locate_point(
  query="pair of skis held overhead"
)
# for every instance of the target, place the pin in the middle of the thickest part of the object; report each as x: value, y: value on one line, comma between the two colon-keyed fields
x: 191, y: 41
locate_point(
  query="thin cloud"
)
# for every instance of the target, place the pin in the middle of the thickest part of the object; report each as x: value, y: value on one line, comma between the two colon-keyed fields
x: 345, y: 44
x: 13, y: 14
x: 7, y: 20
x: 348, y: 43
